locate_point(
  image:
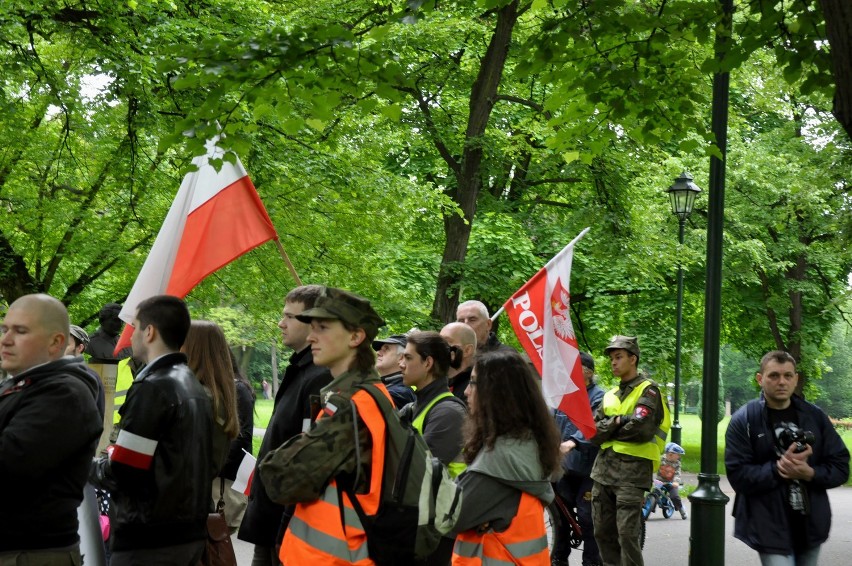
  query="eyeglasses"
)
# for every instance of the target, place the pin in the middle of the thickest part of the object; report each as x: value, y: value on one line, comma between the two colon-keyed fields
x: 472, y: 382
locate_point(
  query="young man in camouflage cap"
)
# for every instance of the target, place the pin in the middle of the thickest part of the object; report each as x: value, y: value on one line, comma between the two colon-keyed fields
x: 632, y: 424
x: 308, y: 469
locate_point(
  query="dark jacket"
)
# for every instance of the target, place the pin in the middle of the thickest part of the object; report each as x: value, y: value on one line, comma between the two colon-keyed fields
x: 293, y: 413
x: 579, y: 461
x: 401, y: 394
x: 493, y: 344
x: 245, y: 414
x: 49, y: 431
x: 458, y: 383
x: 442, y: 427
x: 760, y: 507
x: 161, y: 469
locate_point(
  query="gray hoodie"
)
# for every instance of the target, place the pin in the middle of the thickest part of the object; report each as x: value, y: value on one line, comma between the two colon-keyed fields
x: 493, y: 483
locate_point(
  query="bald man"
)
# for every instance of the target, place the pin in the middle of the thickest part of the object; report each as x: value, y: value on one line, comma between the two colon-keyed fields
x: 49, y: 431
x: 461, y: 335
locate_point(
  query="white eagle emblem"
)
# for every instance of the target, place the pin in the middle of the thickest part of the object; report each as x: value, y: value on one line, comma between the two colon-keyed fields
x: 562, y: 316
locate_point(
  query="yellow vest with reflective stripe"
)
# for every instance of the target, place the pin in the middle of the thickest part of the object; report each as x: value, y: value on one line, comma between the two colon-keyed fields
x: 123, y: 381
x: 650, y: 450
x: 455, y: 467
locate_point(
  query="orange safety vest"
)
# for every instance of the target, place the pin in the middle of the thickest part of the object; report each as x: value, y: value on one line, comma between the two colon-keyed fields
x: 524, y: 542
x: 315, y: 534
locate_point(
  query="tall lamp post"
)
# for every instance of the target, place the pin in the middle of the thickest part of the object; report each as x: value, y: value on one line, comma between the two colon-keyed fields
x: 682, y: 195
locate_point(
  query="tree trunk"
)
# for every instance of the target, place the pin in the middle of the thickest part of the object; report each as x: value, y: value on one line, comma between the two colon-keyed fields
x: 838, y: 27
x: 468, y: 173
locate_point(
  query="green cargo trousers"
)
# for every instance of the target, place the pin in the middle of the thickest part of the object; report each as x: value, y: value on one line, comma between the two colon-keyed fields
x: 617, y: 515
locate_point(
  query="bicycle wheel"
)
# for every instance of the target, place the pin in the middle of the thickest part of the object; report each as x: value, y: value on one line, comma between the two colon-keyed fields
x: 649, y: 505
x: 551, y: 525
x: 642, y: 535
x: 667, y: 507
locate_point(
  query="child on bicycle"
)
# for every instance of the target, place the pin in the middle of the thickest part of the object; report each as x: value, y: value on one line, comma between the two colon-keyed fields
x: 669, y: 475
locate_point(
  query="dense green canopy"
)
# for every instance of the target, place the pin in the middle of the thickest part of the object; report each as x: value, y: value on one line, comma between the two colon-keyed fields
x: 425, y: 152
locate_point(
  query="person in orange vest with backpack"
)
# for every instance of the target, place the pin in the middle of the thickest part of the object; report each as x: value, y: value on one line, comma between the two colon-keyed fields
x: 314, y: 469
x: 512, y: 450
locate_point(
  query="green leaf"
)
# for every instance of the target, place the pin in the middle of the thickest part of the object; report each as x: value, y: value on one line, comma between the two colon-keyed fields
x: 571, y: 156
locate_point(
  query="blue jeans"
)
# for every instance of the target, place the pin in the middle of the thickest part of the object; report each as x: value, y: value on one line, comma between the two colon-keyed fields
x: 807, y: 558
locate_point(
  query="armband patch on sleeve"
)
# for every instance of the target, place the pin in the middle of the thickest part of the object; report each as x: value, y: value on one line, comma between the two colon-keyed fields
x: 133, y: 450
x: 641, y: 411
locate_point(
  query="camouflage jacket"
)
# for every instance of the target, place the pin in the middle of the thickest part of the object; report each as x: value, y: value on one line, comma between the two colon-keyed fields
x: 301, y: 468
x: 612, y: 468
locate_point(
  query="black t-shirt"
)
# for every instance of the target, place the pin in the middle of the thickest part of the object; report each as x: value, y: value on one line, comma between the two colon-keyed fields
x: 780, y: 419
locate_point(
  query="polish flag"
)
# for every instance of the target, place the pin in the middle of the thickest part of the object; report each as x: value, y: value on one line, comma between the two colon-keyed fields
x: 541, y: 318
x: 245, y: 474
x: 216, y: 217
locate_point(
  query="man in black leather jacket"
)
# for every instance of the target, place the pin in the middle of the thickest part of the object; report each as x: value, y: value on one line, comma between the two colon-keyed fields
x: 160, y: 469
x: 49, y: 431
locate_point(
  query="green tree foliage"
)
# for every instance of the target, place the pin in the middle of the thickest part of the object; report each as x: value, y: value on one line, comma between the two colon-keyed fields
x: 421, y: 152
x: 835, y: 388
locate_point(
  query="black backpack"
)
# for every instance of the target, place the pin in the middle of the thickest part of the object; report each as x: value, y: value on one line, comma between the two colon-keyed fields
x: 407, y: 526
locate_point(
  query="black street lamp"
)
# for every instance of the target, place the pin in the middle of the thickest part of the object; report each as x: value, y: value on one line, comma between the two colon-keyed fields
x: 682, y: 195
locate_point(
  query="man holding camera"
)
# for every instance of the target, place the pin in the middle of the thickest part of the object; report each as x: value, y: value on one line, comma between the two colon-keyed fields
x: 782, y: 454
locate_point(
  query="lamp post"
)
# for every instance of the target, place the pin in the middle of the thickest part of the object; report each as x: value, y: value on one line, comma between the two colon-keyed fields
x: 682, y: 195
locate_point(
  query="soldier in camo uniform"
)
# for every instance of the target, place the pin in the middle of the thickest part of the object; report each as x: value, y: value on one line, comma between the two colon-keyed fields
x: 307, y: 470
x: 632, y: 424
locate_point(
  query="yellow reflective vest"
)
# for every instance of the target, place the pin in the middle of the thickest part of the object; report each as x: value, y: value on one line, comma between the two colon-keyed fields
x: 455, y: 467
x: 123, y: 381
x: 650, y: 450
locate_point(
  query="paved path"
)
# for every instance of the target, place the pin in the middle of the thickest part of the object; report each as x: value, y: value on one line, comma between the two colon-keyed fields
x: 667, y: 540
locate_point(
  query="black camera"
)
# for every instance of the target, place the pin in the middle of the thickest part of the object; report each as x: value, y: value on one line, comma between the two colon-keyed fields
x: 788, y: 433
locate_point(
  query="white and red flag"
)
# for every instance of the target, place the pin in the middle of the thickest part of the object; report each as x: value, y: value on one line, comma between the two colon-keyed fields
x: 216, y: 217
x: 540, y: 313
x: 245, y: 474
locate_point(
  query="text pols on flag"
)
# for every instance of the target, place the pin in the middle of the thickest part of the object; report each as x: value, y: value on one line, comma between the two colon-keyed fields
x: 216, y: 217
x: 541, y: 318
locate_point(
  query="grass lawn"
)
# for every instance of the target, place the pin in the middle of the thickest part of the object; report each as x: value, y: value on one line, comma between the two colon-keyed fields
x: 691, y: 441
x: 262, y: 414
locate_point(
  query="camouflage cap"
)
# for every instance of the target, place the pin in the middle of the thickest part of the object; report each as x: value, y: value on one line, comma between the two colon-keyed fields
x: 618, y: 342
x: 352, y: 309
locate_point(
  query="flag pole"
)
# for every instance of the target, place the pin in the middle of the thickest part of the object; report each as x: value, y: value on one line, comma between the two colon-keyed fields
x: 571, y: 243
x: 289, y: 263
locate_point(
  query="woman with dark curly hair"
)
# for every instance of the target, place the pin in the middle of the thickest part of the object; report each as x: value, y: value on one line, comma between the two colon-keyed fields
x: 512, y: 451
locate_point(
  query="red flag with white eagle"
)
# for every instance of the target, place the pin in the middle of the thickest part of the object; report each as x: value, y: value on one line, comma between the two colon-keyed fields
x: 540, y: 313
x: 216, y: 217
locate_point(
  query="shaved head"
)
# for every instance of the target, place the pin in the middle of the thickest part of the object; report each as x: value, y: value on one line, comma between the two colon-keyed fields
x: 460, y: 333
x: 34, y: 332
x: 50, y: 312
